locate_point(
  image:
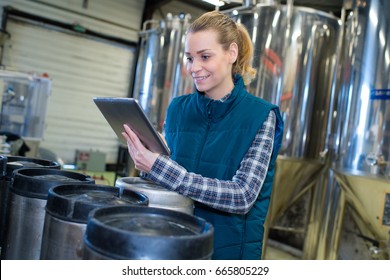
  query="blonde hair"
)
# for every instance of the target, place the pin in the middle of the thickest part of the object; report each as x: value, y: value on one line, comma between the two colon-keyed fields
x: 229, y: 32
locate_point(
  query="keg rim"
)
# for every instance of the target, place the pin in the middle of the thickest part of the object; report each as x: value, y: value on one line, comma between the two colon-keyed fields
x: 25, y: 181
x: 147, y: 187
x: 70, y: 202
x: 134, y: 245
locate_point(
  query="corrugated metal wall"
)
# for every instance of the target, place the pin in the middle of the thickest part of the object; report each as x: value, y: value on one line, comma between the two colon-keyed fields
x: 120, y: 18
x: 80, y: 67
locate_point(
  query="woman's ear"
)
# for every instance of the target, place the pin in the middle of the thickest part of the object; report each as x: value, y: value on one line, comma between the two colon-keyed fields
x: 233, y: 53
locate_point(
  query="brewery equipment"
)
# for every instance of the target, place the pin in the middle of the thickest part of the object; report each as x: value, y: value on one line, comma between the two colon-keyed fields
x: 357, y: 224
x: 3, y: 166
x: 146, y: 233
x: 3, y: 170
x: 67, y: 210
x: 24, y: 98
x: 26, y: 209
x: 159, y: 196
x: 295, y: 57
x: 160, y: 71
x: 13, y: 163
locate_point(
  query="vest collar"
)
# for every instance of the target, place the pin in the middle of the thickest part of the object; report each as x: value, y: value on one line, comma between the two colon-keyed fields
x: 215, y: 109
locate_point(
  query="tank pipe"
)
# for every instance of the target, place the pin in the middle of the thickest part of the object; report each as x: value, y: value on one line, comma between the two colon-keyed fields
x: 243, y: 7
x: 151, y: 22
x: 289, y: 14
x: 248, y: 5
x: 290, y: 6
x: 330, y: 140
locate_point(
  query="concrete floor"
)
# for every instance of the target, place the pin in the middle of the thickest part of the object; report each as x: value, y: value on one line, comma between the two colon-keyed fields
x: 277, y: 254
x: 278, y: 251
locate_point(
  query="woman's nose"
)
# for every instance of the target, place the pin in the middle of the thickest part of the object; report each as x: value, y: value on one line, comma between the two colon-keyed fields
x: 195, y: 66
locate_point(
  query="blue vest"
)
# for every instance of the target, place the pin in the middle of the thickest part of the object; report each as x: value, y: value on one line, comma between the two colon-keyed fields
x: 211, y: 138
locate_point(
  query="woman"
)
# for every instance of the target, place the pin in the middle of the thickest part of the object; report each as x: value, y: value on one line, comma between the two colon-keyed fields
x: 223, y: 140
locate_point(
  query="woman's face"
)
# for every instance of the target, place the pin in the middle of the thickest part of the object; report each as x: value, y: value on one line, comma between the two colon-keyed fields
x: 209, y: 64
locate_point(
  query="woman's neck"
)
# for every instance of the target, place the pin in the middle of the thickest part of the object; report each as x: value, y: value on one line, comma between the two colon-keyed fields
x: 220, y: 92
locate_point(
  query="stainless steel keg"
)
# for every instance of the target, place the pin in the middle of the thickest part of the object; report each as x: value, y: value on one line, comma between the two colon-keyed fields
x: 159, y: 197
x: 146, y: 233
x: 26, y: 212
x: 13, y: 163
x: 3, y: 172
x: 3, y: 166
x: 67, y: 212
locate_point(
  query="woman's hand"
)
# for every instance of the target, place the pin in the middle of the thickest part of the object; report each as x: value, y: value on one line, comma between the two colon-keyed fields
x: 142, y: 157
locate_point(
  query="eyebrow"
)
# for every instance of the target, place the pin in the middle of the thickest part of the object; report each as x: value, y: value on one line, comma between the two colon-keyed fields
x: 198, y: 52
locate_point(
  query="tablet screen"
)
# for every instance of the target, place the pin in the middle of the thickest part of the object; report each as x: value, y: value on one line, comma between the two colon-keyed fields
x: 119, y: 111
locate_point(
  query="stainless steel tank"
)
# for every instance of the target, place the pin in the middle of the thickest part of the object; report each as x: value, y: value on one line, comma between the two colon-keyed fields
x: 158, y: 196
x: 26, y: 214
x: 358, y: 218
x: 67, y: 210
x: 295, y: 56
x: 160, y: 72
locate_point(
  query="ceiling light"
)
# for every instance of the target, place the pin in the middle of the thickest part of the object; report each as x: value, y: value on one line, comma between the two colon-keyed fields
x: 215, y: 2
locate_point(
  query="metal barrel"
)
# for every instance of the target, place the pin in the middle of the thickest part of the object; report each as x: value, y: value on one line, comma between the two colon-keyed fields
x: 159, y: 197
x: 26, y: 212
x: 13, y: 163
x: 3, y: 166
x: 67, y: 212
x: 146, y: 233
x: 3, y: 172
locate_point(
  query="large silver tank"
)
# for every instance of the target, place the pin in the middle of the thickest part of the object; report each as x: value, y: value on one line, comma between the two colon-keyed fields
x: 295, y: 55
x: 160, y: 72
x: 358, y: 218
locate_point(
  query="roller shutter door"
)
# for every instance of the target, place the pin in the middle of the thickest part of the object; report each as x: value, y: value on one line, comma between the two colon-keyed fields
x: 80, y: 67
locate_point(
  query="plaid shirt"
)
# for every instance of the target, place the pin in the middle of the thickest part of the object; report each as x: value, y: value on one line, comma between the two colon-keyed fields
x: 234, y: 196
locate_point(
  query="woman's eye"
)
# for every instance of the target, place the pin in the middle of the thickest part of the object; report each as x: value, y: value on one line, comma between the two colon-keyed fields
x: 205, y: 57
x: 189, y: 59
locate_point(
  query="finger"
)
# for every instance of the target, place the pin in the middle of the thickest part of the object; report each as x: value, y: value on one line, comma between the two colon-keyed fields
x: 130, y: 144
x: 131, y: 138
x: 126, y: 136
x: 127, y: 128
x: 135, y: 141
x: 131, y: 135
x: 128, y: 140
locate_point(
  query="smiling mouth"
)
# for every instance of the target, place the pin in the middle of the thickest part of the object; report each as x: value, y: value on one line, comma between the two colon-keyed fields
x: 201, y: 78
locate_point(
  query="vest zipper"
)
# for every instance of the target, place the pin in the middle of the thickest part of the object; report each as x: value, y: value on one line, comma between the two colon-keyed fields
x: 209, y: 112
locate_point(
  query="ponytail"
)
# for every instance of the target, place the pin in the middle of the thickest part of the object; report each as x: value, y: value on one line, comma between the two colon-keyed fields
x: 243, y: 64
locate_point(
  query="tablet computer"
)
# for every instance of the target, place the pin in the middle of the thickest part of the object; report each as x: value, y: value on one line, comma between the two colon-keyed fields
x: 119, y: 111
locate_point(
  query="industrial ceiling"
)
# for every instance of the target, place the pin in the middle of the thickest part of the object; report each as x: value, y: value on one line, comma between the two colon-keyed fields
x: 333, y: 6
